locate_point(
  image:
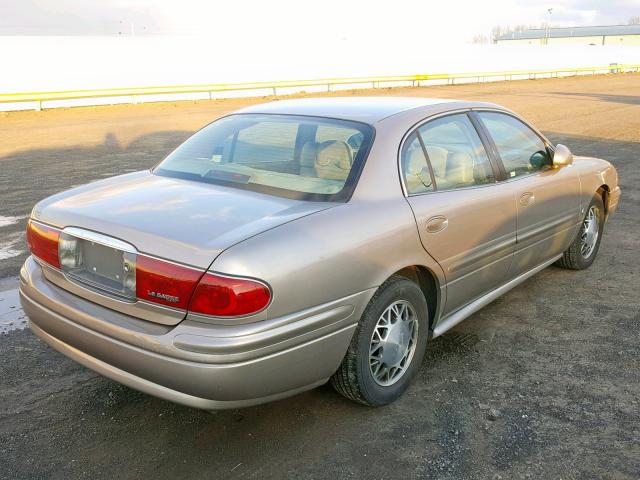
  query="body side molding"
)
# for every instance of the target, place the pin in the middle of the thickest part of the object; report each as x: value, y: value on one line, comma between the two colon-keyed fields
x: 459, y: 315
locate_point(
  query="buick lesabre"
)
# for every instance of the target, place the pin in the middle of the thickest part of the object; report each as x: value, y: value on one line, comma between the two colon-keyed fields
x: 304, y: 241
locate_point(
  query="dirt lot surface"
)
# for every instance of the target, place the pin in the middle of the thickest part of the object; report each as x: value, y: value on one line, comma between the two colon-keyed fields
x: 543, y: 383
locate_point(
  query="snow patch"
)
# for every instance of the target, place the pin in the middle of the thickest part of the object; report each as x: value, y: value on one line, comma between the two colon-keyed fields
x: 8, y: 250
x: 5, y: 221
x: 12, y: 317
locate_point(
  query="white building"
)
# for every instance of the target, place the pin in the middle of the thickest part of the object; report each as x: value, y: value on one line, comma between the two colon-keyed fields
x: 604, y: 35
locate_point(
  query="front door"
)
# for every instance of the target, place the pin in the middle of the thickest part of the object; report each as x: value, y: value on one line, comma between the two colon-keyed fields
x: 466, y: 220
x: 547, y: 198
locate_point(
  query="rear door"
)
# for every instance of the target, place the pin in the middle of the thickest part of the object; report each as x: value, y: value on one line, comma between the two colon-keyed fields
x: 548, y: 207
x: 466, y: 220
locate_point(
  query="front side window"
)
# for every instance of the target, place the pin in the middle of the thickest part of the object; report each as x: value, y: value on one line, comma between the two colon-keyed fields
x: 454, y: 152
x: 306, y: 158
x: 521, y: 150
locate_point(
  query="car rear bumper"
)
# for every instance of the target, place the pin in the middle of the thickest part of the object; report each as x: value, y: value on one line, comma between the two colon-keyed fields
x: 195, y: 364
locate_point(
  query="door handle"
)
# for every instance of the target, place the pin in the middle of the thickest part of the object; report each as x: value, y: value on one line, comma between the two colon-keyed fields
x: 437, y: 224
x: 527, y: 199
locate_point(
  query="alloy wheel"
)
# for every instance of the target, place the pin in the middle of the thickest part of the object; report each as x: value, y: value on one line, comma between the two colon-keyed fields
x: 590, y: 232
x: 393, y: 343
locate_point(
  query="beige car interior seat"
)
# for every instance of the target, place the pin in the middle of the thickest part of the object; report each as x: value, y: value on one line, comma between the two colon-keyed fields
x: 333, y: 160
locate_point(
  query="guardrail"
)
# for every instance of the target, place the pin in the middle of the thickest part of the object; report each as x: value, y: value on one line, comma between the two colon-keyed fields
x: 140, y: 94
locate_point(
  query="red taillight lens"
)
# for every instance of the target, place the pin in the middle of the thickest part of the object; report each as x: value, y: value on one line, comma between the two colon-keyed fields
x: 43, y: 242
x: 165, y: 283
x: 173, y: 285
x: 229, y: 297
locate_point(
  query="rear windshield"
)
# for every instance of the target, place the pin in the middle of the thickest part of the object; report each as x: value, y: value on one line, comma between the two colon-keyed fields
x: 307, y: 158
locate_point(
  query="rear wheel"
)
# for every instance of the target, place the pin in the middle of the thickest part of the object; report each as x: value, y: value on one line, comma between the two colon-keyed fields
x: 388, y: 345
x: 582, y: 252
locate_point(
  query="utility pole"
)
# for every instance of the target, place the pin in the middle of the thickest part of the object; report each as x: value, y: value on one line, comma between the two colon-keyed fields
x: 548, y: 33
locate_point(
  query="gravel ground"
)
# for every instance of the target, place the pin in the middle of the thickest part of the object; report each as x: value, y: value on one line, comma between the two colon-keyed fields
x: 542, y: 383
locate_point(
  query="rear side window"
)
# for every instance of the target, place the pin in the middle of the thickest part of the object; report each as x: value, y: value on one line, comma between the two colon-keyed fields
x: 417, y: 177
x: 521, y: 150
x: 453, y: 150
x: 307, y: 158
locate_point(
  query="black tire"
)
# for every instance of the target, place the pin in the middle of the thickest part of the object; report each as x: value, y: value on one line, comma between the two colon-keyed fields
x: 573, y: 258
x: 354, y: 378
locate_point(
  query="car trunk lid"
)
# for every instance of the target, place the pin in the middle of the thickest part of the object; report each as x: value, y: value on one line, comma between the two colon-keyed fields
x: 180, y: 220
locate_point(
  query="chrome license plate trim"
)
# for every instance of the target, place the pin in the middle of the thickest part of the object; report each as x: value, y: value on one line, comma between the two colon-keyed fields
x: 100, y: 238
x: 116, y: 279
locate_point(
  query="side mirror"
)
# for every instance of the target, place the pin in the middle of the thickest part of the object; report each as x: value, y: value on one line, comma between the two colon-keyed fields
x: 562, y: 156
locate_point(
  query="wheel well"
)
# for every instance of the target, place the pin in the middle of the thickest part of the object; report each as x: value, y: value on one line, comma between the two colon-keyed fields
x: 603, y: 191
x: 428, y: 284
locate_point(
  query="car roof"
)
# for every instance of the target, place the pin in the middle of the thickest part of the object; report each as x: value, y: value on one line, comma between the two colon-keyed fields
x: 361, y: 109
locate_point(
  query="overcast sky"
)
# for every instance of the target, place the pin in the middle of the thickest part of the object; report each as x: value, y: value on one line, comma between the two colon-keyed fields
x: 254, y: 20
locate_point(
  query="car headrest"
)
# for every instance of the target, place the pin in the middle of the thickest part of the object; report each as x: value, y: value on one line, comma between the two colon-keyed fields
x: 333, y: 160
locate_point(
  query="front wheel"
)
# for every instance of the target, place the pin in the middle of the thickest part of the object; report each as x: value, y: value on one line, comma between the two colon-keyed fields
x: 388, y: 345
x: 582, y: 252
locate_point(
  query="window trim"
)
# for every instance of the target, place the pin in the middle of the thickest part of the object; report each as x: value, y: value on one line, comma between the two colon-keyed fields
x: 427, y: 159
x: 494, y: 149
x: 415, y: 128
x: 489, y: 146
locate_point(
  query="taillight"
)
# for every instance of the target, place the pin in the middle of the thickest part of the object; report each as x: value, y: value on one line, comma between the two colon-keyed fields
x: 43, y: 242
x: 173, y: 285
x: 229, y: 296
x: 165, y: 283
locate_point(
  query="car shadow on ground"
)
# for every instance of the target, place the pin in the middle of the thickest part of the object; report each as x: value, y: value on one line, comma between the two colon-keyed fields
x: 32, y: 175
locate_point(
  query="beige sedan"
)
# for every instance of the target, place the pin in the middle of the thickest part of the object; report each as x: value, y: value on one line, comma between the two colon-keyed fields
x: 305, y: 241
